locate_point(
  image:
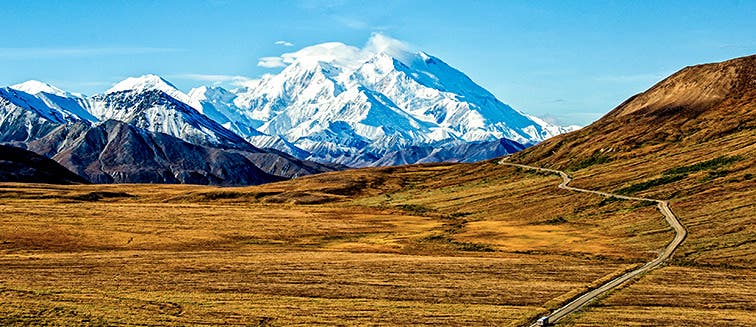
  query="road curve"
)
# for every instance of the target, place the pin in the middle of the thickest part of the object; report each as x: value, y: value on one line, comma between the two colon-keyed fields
x: 587, y: 297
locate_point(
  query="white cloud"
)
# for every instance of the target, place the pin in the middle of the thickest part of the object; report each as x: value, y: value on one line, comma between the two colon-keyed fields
x: 284, y: 43
x: 340, y: 53
x: 214, y: 78
x: 326, y: 52
x: 271, y: 62
x: 379, y: 42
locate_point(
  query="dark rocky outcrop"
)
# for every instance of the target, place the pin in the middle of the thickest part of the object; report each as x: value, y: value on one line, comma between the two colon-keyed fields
x: 19, y: 165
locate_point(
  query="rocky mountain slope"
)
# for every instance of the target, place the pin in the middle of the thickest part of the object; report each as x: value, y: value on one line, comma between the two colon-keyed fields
x: 135, y: 146
x: 116, y: 152
x: 698, y: 104
x: 19, y: 165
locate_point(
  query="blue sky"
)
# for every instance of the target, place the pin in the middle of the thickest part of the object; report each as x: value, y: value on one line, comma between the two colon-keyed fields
x: 568, y: 61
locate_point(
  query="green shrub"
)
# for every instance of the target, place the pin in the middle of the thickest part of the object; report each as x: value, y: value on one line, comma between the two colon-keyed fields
x: 642, y: 186
x: 595, y: 159
x: 704, y: 165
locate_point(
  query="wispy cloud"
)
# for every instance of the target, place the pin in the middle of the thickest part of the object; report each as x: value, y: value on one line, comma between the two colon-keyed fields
x: 352, y: 22
x: 271, y: 62
x: 213, y: 78
x: 78, y: 52
x: 284, y: 43
x: 342, y: 54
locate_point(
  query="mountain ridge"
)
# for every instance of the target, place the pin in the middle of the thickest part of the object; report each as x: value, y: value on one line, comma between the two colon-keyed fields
x: 333, y: 104
x: 136, y: 151
x: 704, y: 102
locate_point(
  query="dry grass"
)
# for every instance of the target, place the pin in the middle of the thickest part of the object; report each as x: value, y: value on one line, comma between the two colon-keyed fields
x: 445, y: 244
x: 678, y: 296
x: 714, y: 266
x: 464, y: 244
x: 716, y: 205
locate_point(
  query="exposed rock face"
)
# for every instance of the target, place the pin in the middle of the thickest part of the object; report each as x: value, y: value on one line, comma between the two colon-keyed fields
x: 465, y: 152
x: 116, y: 152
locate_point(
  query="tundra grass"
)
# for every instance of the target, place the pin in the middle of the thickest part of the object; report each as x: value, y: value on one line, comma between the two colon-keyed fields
x: 407, y: 247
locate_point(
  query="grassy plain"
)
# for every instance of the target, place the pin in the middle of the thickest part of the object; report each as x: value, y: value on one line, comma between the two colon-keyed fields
x: 468, y: 244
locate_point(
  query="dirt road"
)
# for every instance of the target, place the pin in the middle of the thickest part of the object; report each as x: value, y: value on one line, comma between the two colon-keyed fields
x: 589, y: 296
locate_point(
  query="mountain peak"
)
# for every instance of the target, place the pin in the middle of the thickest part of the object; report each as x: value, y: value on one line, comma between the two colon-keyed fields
x: 142, y: 83
x: 35, y: 87
x: 151, y: 82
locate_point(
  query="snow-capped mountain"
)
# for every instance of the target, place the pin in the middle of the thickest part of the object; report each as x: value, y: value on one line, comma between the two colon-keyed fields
x: 25, y: 117
x: 151, y: 82
x: 70, y: 105
x: 348, y: 105
x: 217, y: 103
x: 137, y: 133
x: 152, y: 103
x: 382, y: 104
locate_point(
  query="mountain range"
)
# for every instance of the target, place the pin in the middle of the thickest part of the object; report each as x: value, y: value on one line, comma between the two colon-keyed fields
x: 341, y: 104
x: 137, y: 135
x: 332, y: 106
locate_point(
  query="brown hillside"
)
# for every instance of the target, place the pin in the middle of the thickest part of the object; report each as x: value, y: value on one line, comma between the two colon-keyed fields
x: 691, y: 139
x: 697, y: 104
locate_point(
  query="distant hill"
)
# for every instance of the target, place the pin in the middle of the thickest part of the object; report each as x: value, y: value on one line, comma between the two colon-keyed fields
x: 19, y: 165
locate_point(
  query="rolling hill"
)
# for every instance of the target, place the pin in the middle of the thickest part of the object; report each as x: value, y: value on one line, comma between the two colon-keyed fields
x: 691, y: 138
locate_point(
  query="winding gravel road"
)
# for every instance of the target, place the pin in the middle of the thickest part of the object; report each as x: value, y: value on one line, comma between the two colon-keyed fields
x: 587, y: 297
